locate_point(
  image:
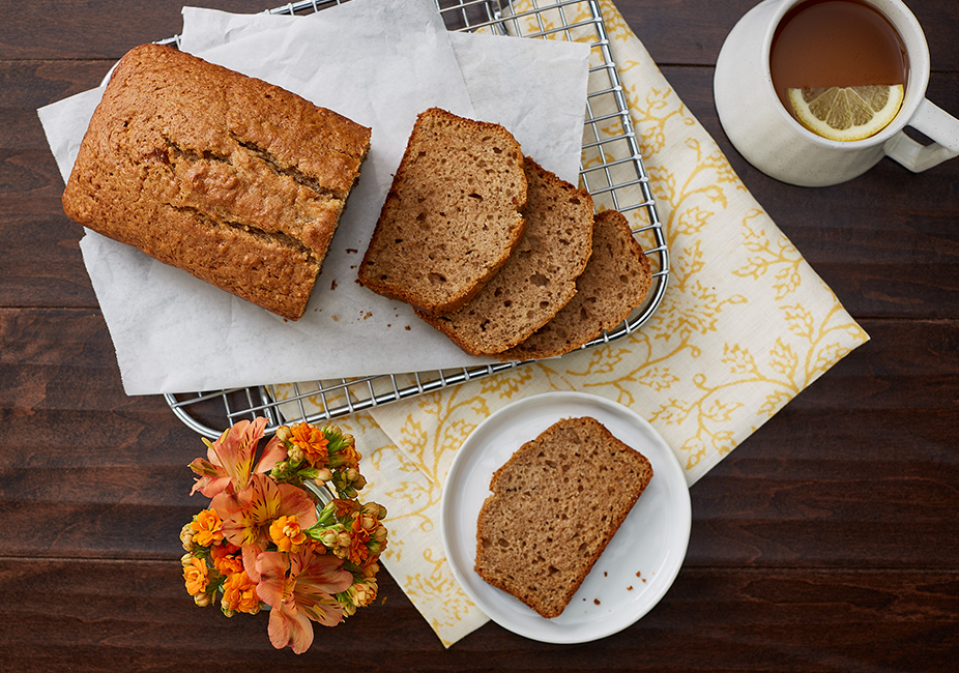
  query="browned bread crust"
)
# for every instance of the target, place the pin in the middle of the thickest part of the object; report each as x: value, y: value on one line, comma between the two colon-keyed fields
x: 556, y: 504
x: 615, y: 282
x: 452, y: 216
x: 539, y: 278
x: 237, y: 181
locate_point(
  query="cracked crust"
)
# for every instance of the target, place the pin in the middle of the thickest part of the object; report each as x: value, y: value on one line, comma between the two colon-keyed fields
x: 234, y: 180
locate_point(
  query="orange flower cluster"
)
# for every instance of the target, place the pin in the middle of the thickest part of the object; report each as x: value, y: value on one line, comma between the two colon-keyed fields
x: 266, y: 539
x: 311, y: 441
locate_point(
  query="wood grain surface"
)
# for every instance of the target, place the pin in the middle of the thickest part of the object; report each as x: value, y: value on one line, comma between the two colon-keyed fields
x: 828, y: 541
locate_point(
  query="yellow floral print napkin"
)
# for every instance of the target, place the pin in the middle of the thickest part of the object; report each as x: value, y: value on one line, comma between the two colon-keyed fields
x: 745, y: 326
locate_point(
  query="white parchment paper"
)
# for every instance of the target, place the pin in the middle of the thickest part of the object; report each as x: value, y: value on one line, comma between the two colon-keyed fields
x: 379, y: 63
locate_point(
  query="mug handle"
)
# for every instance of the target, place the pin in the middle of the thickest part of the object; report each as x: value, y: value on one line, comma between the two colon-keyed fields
x: 936, y: 124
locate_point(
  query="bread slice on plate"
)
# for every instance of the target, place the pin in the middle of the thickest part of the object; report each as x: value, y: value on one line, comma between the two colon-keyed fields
x: 615, y: 282
x: 453, y: 215
x: 556, y: 504
x: 540, y: 277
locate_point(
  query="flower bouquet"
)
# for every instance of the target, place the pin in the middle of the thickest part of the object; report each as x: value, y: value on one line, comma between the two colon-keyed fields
x: 284, y: 531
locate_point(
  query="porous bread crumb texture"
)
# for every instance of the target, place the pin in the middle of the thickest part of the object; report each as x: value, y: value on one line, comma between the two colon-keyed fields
x: 452, y: 216
x: 614, y: 283
x: 540, y: 276
x: 556, y: 504
x: 237, y: 181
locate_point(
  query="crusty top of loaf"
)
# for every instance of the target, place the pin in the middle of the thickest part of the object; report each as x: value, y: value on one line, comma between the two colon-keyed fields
x: 556, y: 504
x: 228, y: 177
x: 540, y: 276
x: 615, y: 282
x: 452, y: 215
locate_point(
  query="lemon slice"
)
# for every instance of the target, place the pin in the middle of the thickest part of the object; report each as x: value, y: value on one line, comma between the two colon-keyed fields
x: 846, y: 113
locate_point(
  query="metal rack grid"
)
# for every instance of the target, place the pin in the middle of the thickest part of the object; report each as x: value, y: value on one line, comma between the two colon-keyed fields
x: 611, y: 169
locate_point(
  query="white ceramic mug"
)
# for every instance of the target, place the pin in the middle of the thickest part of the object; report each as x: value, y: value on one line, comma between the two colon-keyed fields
x: 764, y: 132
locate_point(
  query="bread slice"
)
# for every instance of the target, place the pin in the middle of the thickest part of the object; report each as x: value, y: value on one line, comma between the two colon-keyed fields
x: 615, y: 282
x: 232, y: 179
x: 452, y: 216
x: 556, y: 504
x: 540, y: 277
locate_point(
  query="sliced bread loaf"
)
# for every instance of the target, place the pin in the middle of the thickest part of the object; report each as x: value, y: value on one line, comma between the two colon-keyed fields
x: 556, y: 504
x: 615, y: 282
x: 540, y: 277
x: 452, y: 216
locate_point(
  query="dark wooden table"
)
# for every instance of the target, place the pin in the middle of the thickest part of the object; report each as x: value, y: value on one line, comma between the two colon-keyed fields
x: 828, y: 541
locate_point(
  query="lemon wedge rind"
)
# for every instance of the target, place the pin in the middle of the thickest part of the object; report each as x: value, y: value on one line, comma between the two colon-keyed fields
x: 846, y: 113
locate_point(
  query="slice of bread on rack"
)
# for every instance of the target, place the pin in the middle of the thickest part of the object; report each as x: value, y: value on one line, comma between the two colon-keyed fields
x: 540, y: 276
x: 452, y: 217
x: 555, y: 506
x: 614, y: 283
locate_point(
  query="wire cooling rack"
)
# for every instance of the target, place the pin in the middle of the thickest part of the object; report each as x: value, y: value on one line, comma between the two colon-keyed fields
x: 611, y: 169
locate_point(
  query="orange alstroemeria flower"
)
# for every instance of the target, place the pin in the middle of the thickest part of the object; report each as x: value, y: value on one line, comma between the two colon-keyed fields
x: 312, y: 442
x: 300, y: 589
x: 229, y: 463
x: 247, y: 515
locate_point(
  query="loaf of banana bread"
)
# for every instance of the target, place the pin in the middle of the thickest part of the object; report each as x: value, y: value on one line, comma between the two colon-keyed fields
x: 239, y: 182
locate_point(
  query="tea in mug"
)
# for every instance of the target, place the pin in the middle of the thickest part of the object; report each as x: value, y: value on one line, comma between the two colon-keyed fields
x: 839, y: 67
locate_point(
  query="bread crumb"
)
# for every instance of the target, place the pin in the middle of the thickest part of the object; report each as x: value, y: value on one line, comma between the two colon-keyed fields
x: 333, y: 285
x: 352, y: 251
x: 596, y: 601
x: 629, y: 588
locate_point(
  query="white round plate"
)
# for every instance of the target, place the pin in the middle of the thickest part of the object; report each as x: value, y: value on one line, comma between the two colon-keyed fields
x: 638, y: 566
